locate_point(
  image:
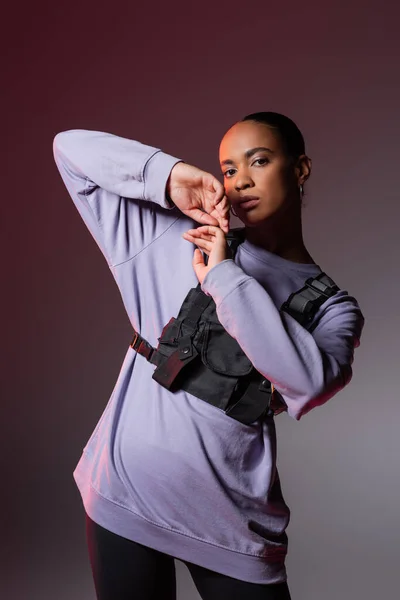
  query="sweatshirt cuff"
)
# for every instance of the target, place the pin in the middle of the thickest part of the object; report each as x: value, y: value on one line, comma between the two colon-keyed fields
x: 155, y: 177
x: 222, y: 279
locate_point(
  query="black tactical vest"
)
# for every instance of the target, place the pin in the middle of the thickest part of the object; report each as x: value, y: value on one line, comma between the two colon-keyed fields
x: 196, y: 354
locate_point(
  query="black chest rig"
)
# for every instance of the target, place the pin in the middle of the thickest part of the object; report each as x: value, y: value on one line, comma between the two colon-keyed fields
x: 196, y: 354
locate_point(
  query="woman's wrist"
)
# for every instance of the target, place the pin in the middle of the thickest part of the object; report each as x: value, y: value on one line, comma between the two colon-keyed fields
x: 168, y: 198
x: 168, y: 187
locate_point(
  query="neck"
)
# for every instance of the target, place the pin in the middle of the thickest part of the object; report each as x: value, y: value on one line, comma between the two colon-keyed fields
x: 281, y: 236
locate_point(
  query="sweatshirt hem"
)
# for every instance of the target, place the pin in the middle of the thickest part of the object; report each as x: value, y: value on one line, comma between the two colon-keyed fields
x: 123, y: 522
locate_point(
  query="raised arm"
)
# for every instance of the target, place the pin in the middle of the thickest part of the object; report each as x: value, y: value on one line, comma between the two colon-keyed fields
x: 129, y: 194
x: 110, y: 179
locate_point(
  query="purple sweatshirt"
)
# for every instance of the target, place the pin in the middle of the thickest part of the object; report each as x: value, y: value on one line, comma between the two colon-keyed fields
x: 169, y: 470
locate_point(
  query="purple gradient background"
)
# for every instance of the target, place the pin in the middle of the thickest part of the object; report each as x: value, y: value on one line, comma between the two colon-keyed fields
x: 176, y: 76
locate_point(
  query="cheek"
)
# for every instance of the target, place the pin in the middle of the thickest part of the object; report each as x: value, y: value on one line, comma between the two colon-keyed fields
x: 273, y: 180
x: 229, y: 188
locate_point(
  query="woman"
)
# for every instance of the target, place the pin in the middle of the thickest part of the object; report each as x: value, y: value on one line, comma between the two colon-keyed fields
x: 166, y: 474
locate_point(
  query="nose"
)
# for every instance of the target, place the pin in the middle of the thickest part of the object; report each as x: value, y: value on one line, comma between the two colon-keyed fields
x: 243, y: 181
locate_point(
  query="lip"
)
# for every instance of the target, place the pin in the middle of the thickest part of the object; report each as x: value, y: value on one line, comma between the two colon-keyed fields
x: 248, y: 201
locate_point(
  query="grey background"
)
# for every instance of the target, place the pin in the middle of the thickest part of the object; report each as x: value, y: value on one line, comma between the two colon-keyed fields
x: 176, y: 76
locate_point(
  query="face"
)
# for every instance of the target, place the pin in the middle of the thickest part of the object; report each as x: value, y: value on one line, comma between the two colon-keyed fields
x: 260, y: 180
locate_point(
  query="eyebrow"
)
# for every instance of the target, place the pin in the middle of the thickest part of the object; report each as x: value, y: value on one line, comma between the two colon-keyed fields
x: 248, y: 154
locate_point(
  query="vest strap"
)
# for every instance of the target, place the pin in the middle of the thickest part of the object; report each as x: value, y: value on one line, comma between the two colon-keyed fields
x: 200, y: 303
x: 142, y: 346
x: 303, y: 304
x: 254, y: 403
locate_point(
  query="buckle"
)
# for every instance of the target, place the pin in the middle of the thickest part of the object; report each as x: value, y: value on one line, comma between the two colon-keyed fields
x: 320, y: 287
x: 134, y: 340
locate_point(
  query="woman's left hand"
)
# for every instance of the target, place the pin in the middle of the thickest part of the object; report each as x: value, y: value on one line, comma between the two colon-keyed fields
x: 212, y: 241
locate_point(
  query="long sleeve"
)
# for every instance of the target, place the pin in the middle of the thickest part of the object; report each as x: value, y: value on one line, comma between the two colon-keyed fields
x: 306, y: 368
x: 118, y: 187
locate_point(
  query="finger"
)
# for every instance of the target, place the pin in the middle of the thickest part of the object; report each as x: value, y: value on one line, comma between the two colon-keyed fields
x: 224, y: 224
x: 223, y: 220
x: 198, y: 258
x: 218, y: 189
x: 197, y: 236
x: 198, y: 265
x: 203, y: 244
x: 210, y: 230
x: 223, y: 206
x: 221, y: 214
x: 203, y: 217
x: 214, y: 192
x: 198, y: 240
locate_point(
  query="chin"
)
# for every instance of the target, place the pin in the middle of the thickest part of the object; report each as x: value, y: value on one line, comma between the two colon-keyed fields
x: 252, y: 218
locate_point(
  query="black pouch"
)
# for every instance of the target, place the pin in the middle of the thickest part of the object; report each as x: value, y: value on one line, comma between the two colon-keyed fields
x: 212, y: 365
x: 222, y: 354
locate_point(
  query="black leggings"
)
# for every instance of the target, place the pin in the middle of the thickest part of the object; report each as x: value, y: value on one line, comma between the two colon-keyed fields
x: 125, y: 570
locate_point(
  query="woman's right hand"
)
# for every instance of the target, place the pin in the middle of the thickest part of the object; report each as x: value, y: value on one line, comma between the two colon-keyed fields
x: 199, y: 195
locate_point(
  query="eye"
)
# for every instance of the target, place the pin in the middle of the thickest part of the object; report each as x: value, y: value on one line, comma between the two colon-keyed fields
x: 261, y: 161
x: 226, y: 173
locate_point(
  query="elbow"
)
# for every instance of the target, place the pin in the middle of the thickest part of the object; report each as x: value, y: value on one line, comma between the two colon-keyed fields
x: 58, y: 144
x: 56, y: 141
x: 298, y: 407
x: 62, y: 141
x: 347, y: 374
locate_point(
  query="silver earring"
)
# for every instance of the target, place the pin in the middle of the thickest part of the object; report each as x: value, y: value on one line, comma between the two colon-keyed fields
x: 233, y: 212
x: 301, y: 190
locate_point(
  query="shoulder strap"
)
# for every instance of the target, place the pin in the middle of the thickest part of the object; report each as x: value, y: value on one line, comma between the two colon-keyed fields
x: 234, y: 238
x: 303, y: 304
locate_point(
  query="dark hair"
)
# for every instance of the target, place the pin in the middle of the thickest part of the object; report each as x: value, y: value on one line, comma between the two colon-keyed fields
x: 290, y: 134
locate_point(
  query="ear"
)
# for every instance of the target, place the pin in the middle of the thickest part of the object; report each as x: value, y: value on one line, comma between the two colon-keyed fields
x: 303, y: 168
